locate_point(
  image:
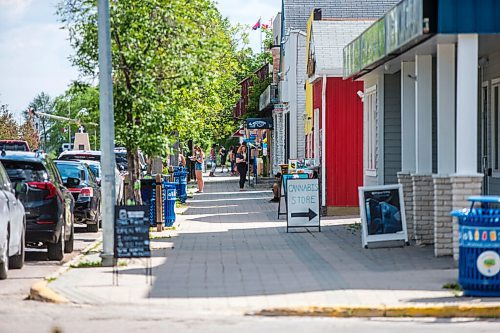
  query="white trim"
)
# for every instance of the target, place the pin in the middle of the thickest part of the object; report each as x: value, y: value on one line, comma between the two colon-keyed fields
x: 371, y: 131
x: 495, y: 81
x: 323, y: 141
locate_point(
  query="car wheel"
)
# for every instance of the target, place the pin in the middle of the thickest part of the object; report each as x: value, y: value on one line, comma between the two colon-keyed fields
x: 4, y: 264
x: 17, y: 261
x: 55, y: 251
x: 68, y: 245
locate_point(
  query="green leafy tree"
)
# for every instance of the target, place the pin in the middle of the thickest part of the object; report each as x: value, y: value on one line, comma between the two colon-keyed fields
x: 42, y: 103
x: 174, y: 70
x: 8, y: 126
x: 28, y: 132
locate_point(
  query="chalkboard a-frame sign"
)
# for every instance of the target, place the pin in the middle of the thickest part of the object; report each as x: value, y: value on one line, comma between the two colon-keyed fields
x: 131, y: 232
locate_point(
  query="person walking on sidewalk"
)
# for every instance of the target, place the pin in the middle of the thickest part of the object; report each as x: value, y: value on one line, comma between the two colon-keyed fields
x: 223, y: 156
x: 198, y: 167
x: 232, y: 159
x: 213, y: 161
x: 242, y: 164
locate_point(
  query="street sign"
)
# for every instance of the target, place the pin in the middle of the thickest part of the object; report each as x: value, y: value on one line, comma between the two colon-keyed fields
x: 302, y: 200
x: 131, y: 232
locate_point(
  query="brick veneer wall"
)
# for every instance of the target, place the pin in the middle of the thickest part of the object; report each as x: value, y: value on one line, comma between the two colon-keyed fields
x: 423, y: 209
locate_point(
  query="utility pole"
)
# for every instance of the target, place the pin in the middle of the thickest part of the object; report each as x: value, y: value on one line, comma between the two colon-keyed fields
x: 69, y: 124
x: 107, y: 132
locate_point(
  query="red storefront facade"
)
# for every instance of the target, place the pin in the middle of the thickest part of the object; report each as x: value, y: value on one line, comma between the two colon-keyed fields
x: 343, y: 140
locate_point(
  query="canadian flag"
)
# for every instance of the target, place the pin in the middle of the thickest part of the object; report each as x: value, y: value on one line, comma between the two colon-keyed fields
x: 256, y: 25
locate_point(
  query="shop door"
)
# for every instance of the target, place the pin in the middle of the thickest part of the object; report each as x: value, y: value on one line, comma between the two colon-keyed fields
x: 491, y: 138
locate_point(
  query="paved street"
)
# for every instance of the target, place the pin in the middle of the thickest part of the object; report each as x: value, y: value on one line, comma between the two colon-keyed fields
x: 232, y: 257
x: 36, y: 266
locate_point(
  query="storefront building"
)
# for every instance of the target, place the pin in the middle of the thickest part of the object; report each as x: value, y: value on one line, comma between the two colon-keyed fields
x: 334, y: 113
x: 431, y: 75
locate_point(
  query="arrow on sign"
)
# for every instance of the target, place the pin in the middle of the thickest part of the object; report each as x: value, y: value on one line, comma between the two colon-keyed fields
x: 309, y: 214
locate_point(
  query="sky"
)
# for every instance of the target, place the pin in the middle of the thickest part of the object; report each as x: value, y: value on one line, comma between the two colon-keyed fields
x: 34, y: 50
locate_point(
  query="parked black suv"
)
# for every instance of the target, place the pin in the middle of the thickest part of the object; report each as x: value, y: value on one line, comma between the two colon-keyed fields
x: 87, y: 193
x: 48, y: 204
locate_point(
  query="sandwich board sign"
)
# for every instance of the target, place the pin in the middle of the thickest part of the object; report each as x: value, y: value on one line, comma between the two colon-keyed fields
x: 302, y: 198
x: 283, y: 188
x: 382, y: 214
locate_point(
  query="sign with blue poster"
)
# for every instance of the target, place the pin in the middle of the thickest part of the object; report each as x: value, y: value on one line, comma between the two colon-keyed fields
x: 382, y: 214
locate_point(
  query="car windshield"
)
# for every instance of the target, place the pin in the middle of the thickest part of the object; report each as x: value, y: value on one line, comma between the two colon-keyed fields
x: 25, y: 171
x: 71, y: 170
x: 86, y: 157
x: 121, y: 159
x: 95, y: 170
x: 13, y: 146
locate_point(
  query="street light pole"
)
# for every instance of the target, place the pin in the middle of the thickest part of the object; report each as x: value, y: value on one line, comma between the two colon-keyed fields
x: 107, y: 132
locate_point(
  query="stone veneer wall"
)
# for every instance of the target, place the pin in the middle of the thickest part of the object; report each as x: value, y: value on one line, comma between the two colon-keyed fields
x: 405, y: 180
x: 443, y: 222
x: 423, y: 209
x: 462, y: 188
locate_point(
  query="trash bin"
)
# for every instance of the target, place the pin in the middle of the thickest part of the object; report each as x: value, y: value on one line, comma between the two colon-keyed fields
x: 180, y: 178
x: 148, y: 195
x: 479, y: 246
x: 170, y: 197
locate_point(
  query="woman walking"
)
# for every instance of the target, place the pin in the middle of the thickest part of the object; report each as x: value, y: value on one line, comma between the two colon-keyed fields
x: 213, y: 161
x: 242, y: 164
x: 198, y: 167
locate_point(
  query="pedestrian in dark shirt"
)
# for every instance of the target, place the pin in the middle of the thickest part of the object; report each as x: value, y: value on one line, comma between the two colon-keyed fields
x: 242, y: 164
x: 223, y: 157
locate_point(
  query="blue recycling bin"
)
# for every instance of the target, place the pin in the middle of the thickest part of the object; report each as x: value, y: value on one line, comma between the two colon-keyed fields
x: 169, y: 199
x: 148, y: 195
x: 479, y: 246
x: 180, y: 178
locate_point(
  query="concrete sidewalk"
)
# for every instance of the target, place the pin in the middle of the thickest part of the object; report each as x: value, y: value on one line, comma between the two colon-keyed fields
x: 232, y: 255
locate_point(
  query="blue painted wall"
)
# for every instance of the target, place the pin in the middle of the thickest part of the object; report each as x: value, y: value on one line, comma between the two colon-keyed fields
x: 469, y: 16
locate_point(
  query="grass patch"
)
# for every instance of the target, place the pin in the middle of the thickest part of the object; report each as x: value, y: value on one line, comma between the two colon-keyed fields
x: 96, y: 263
x: 354, y: 227
x: 51, y: 279
x: 452, y: 286
x: 122, y: 263
x: 178, y: 204
x: 87, y: 264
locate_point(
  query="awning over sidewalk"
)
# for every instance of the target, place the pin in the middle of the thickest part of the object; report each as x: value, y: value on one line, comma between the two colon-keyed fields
x: 239, y: 133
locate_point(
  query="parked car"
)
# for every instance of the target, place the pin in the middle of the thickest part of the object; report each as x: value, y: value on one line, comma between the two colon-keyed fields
x: 122, y: 162
x: 12, y: 226
x: 14, y: 145
x: 87, y: 193
x: 47, y: 202
x: 95, y: 155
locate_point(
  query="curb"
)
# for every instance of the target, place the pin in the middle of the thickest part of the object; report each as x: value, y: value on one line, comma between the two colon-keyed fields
x: 436, y: 311
x: 40, y: 291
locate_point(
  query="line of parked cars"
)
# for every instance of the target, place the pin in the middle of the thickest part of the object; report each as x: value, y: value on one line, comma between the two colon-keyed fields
x: 41, y: 200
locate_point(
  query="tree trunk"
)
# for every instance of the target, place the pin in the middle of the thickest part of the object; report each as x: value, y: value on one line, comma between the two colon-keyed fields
x: 134, y: 175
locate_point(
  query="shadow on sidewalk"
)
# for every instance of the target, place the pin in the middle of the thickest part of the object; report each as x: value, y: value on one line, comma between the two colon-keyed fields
x: 231, y: 244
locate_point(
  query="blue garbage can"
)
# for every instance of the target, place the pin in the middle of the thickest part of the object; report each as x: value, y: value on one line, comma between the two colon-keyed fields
x: 180, y: 178
x: 170, y: 197
x: 479, y: 246
x: 148, y: 193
